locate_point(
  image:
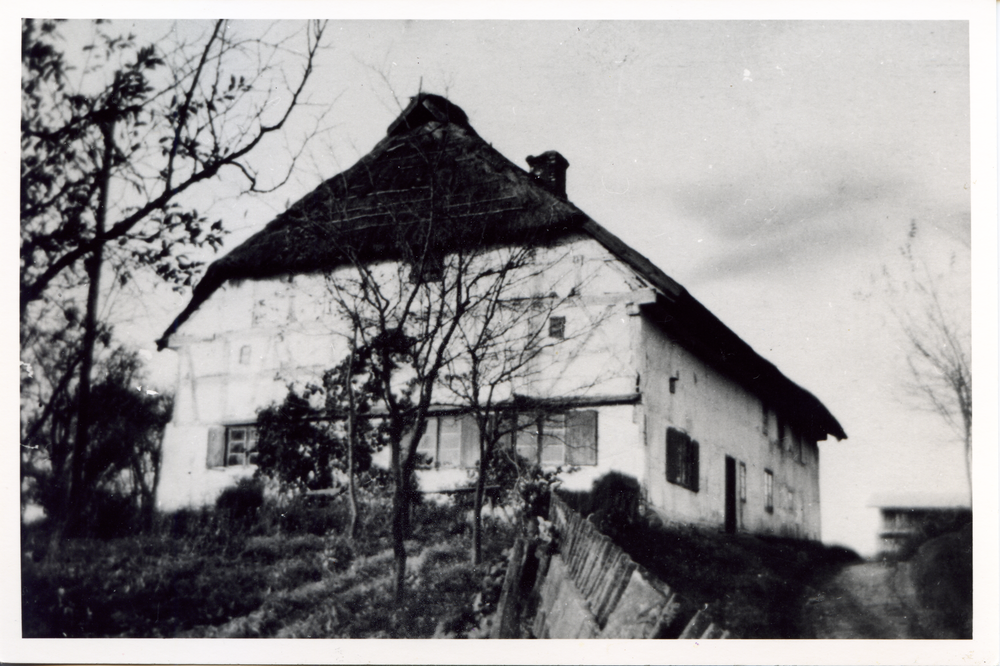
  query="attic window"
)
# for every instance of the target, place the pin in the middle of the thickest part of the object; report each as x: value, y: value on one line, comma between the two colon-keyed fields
x: 557, y: 328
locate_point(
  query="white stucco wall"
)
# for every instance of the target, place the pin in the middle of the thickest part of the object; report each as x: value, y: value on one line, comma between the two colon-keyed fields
x: 725, y: 419
x: 290, y: 331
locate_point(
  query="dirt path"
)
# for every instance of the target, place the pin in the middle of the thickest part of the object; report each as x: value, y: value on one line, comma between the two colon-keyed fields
x: 869, y: 600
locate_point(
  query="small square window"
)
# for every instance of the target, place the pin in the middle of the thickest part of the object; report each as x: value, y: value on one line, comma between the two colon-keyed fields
x: 557, y: 328
x: 241, y: 446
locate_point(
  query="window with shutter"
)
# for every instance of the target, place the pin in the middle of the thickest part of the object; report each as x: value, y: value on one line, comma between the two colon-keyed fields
x: 470, y: 441
x: 216, y: 455
x: 682, y: 460
x: 581, y: 437
x: 526, y: 437
x: 428, y: 443
x: 449, y: 441
x: 553, y: 439
x: 694, y: 469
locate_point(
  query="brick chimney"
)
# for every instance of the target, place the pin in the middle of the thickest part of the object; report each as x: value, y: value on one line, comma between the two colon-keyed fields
x: 549, y: 169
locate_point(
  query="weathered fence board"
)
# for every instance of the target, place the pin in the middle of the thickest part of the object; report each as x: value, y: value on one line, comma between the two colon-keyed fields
x: 594, y: 589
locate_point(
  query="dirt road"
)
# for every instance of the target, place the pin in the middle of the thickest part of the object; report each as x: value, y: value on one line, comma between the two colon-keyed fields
x: 869, y: 600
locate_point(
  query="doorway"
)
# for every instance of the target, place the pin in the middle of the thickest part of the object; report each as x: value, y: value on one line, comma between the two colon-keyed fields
x: 730, y: 495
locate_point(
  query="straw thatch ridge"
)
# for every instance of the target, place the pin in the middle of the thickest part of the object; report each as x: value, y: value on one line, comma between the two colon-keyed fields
x: 434, y: 186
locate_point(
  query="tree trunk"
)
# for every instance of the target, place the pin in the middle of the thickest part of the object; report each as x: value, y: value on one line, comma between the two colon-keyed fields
x: 477, y: 506
x: 76, y: 495
x: 352, y: 498
x: 400, y: 513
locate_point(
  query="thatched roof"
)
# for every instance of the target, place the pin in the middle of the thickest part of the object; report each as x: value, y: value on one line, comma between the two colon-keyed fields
x: 433, y: 180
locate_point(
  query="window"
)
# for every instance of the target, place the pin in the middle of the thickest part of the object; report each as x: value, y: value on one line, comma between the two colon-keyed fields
x: 764, y: 421
x: 768, y: 491
x: 743, y: 482
x: 682, y: 459
x: 232, y: 446
x: 557, y: 328
x: 241, y: 446
x: 245, y: 355
x: 568, y: 438
x: 450, y: 441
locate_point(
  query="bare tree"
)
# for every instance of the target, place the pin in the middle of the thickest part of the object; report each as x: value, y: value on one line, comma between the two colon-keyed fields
x: 938, y: 351
x: 406, y: 314
x: 507, y: 343
x: 109, y: 150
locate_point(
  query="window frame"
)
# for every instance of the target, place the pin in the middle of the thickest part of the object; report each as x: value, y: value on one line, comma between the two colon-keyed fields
x: 682, y: 460
x: 769, y: 491
x: 557, y: 327
x: 250, y: 441
x: 463, y: 451
x: 574, y: 433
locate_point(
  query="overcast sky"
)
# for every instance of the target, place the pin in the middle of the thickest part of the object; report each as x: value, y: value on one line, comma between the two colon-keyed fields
x: 773, y: 168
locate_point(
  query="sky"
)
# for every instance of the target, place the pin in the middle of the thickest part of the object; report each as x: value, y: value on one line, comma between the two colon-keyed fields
x: 773, y: 168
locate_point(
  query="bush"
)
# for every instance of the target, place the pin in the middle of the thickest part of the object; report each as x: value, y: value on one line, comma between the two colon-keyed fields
x: 111, y: 515
x: 942, y: 576
x: 314, y: 514
x: 612, y: 503
x: 238, y: 507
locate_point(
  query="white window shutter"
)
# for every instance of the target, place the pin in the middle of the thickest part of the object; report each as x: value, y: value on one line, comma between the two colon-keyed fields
x: 216, y: 453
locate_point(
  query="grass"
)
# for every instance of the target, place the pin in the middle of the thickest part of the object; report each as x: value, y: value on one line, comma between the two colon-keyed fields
x: 757, y: 585
x: 290, y: 573
x: 192, y: 577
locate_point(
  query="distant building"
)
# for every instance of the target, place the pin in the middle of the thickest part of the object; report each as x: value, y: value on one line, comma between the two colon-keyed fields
x: 660, y: 389
x: 908, y: 519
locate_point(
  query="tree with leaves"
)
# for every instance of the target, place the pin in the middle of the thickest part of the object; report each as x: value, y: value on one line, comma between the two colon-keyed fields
x: 113, y: 138
x: 122, y: 464
x: 304, y: 446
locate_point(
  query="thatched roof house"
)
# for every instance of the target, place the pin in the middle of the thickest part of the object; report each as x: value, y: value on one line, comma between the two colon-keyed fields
x: 434, y: 180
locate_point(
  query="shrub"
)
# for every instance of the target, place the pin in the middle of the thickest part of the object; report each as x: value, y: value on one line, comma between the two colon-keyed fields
x: 238, y: 507
x: 112, y: 515
x: 314, y: 514
x: 612, y: 502
x: 942, y: 575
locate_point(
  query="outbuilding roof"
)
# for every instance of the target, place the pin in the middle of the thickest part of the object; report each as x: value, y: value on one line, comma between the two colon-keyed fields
x: 434, y: 180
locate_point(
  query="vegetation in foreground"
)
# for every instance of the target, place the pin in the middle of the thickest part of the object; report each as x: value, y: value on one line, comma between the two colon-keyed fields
x: 756, y: 585
x: 236, y: 570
